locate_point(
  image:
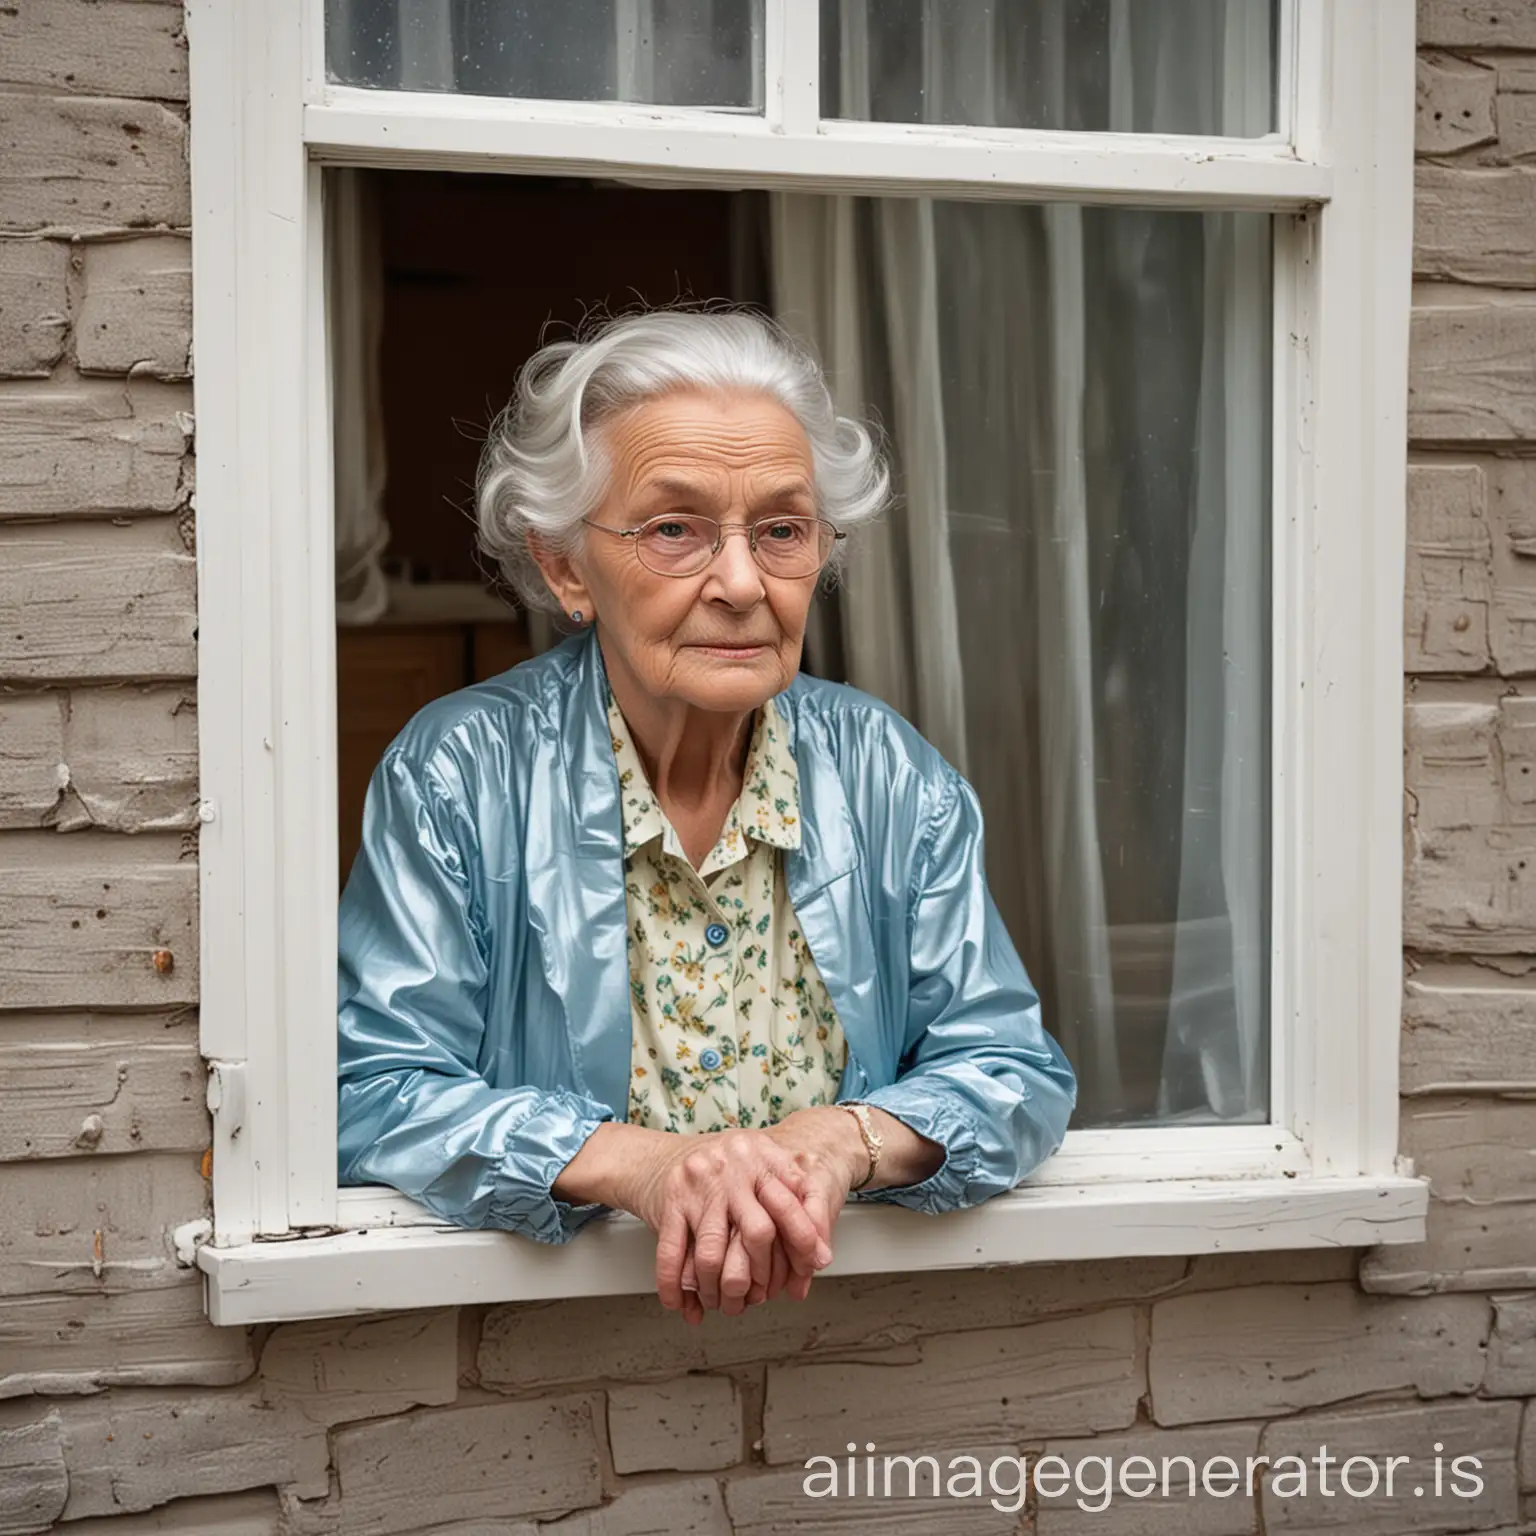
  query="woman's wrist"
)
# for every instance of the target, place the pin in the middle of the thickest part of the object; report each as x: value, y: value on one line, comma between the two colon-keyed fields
x: 831, y: 1133
x: 611, y: 1166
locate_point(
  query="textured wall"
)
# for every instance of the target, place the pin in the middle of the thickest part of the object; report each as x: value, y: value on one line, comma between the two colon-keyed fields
x: 124, y: 1413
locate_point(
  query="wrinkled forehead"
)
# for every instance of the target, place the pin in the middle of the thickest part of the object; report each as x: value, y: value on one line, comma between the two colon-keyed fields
x: 710, y: 445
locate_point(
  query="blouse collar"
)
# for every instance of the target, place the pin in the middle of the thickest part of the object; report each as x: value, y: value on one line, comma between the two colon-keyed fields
x: 767, y: 810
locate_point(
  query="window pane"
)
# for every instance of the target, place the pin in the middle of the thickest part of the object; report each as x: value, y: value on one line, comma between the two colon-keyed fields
x: 1126, y: 66
x: 695, y: 53
x: 1070, y: 597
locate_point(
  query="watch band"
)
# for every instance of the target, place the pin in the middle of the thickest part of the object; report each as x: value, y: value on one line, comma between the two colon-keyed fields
x: 874, y: 1142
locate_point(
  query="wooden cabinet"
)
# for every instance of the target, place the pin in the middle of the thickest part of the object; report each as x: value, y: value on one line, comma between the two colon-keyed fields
x: 384, y: 673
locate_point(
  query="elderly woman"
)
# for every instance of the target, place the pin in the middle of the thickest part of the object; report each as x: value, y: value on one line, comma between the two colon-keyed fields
x: 653, y: 922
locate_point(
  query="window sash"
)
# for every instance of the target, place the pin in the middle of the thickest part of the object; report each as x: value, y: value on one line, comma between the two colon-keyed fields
x: 790, y: 144
x: 1340, y: 170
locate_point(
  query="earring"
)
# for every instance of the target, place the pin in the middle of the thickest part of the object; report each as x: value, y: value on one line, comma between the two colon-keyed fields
x: 576, y: 616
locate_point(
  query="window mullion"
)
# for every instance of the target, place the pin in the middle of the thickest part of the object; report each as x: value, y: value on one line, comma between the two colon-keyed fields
x: 792, y: 60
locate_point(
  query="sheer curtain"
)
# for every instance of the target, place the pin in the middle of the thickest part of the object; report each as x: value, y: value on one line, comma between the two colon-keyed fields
x: 354, y: 300
x: 1070, y: 596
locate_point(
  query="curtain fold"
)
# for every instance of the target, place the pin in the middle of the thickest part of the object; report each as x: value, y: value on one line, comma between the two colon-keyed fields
x: 354, y: 281
x: 1070, y: 595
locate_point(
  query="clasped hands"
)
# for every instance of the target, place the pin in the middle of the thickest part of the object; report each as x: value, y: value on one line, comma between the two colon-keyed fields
x: 740, y: 1216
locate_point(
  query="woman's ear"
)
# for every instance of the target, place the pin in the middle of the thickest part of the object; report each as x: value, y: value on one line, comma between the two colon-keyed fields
x: 561, y: 577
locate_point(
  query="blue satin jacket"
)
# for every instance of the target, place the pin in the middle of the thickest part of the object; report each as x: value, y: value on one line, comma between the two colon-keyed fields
x: 485, y: 1008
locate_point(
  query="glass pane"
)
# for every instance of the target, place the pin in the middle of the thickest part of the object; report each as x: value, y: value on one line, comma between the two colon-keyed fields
x: 686, y: 53
x: 1126, y: 66
x: 1071, y: 595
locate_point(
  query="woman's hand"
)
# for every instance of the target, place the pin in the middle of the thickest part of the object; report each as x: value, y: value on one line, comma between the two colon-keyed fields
x: 740, y: 1216
x: 728, y: 1210
x: 721, y: 1204
x: 828, y: 1162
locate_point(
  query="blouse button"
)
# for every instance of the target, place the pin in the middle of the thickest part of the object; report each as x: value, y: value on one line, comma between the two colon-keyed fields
x: 709, y: 1060
x: 717, y: 934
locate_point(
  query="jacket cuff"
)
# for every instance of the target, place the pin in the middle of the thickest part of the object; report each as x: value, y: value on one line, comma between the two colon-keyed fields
x: 949, y: 1188
x: 535, y: 1154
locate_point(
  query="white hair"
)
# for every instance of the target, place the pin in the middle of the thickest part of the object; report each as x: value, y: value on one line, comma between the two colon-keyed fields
x: 544, y: 468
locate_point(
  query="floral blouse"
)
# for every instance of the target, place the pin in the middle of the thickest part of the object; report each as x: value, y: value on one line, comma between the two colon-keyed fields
x: 732, y: 1024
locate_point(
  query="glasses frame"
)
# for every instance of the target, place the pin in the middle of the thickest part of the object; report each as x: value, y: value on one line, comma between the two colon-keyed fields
x: 721, y: 531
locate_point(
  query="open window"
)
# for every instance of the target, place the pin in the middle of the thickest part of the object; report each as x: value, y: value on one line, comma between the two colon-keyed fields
x: 1127, y: 287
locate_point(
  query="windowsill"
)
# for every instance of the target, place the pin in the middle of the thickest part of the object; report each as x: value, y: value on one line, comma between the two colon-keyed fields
x: 406, y: 1264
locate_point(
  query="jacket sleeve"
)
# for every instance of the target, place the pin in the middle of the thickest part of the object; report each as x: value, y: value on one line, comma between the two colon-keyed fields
x: 979, y: 1073
x: 415, y: 1112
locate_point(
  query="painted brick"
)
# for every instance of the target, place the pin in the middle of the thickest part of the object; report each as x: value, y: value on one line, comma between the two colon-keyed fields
x: 308, y: 1517
x: 334, y: 1371
x: 1470, y: 880
x: 92, y: 448
x: 131, y: 1451
x: 1454, y: 105
x: 33, y: 1481
x: 1287, y: 1266
x: 692, y: 1424
x: 54, y: 1211
x: 238, y: 1514
x: 1468, y: 1028
x: 92, y: 1084
x: 772, y: 1503
x: 691, y: 1508
x: 122, y: 758
x: 90, y: 1293
x: 1485, y: 1430
x: 1480, y: 1158
x: 93, y: 920
x: 128, y: 1334
x: 1275, y: 1349
x: 1512, y: 1348
x: 136, y: 313
x: 1512, y: 516
x: 528, y: 1346
x: 1095, y: 1502
x: 1516, y: 107
x: 86, y: 601
x: 1526, y: 1460
x: 32, y: 761
x: 1473, y: 225
x: 81, y: 166
x: 1476, y: 24
x: 105, y: 48
x: 1449, y: 575
x: 994, y: 1386
x: 1470, y: 377
x: 34, y: 306
x: 481, y: 1462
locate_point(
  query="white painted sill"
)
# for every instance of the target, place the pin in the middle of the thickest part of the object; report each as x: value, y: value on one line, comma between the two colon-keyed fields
x: 400, y: 1263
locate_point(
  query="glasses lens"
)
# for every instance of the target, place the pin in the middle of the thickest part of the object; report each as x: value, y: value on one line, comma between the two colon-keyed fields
x: 677, y: 546
x: 792, y: 546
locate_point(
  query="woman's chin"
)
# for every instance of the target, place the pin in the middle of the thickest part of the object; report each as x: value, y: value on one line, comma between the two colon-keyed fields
x: 727, y: 681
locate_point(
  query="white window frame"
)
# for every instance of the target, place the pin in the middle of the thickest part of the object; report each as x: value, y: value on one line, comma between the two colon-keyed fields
x: 285, y: 1242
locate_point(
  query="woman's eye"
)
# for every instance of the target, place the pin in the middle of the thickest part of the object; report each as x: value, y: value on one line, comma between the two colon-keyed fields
x: 781, y: 533
x: 670, y: 530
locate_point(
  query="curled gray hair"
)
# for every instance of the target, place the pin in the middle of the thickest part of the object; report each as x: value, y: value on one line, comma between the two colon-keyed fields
x: 544, y: 468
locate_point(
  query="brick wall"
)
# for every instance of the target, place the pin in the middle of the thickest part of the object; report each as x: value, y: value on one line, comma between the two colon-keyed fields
x: 124, y: 1413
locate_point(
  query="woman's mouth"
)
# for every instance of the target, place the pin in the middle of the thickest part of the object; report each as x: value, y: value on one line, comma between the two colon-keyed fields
x: 731, y: 650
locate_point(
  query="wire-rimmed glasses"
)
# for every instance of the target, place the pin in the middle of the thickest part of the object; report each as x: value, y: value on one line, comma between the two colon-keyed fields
x: 684, y: 543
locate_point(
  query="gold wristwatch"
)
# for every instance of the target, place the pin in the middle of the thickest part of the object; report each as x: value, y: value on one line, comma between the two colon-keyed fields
x: 874, y: 1142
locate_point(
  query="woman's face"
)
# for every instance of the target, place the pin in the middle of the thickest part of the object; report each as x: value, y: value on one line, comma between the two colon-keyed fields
x: 729, y: 637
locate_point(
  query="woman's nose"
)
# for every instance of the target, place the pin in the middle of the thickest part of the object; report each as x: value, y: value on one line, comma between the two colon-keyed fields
x: 735, y: 568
